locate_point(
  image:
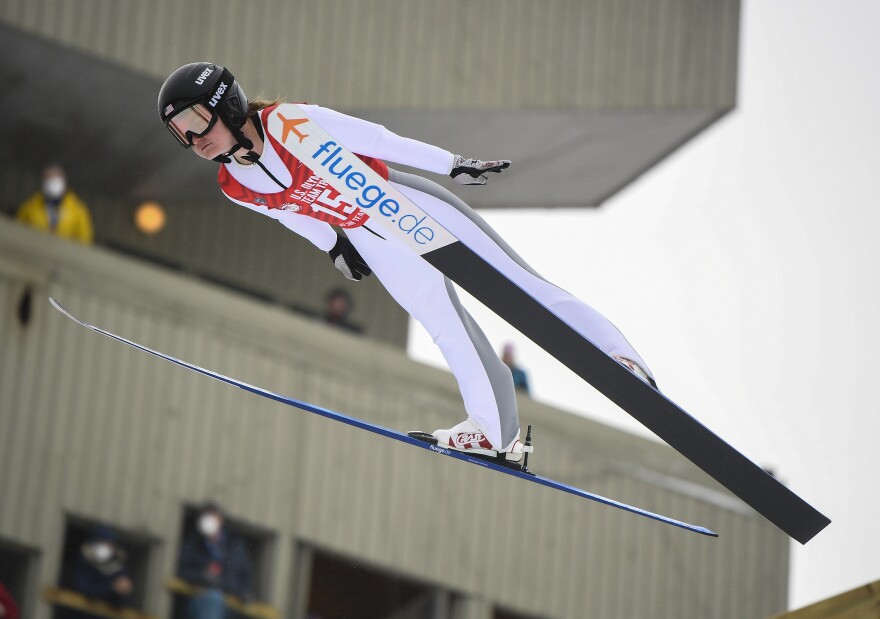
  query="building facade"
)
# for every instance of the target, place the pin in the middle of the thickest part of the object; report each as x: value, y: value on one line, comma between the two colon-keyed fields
x: 92, y: 431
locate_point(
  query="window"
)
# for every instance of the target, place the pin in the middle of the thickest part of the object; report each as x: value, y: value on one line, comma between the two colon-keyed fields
x: 339, y: 588
x: 134, y: 554
x: 499, y: 613
x: 17, y: 573
x: 255, y: 558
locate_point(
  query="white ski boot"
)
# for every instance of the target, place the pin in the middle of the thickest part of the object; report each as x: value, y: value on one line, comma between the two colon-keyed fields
x: 467, y: 437
x: 636, y: 369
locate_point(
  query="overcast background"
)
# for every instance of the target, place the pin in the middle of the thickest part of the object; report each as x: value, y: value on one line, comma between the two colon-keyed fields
x: 744, y: 270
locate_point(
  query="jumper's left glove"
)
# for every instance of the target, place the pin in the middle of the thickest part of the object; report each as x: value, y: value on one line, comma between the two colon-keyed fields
x: 474, y: 171
x: 347, y: 259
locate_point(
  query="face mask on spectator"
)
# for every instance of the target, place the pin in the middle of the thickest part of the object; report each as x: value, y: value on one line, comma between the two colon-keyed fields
x: 54, y: 186
x: 209, y: 525
x: 102, y: 551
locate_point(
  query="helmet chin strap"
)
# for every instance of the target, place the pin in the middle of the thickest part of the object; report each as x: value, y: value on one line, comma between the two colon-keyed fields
x: 241, y: 142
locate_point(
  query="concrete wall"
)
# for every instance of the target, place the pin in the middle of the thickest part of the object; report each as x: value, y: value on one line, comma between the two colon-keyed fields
x: 422, y: 53
x: 92, y: 428
x: 583, y: 95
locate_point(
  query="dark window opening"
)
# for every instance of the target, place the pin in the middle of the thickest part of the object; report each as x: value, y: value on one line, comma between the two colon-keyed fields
x: 342, y: 589
x: 17, y: 573
x: 136, y: 549
x: 500, y: 613
x: 258, y: 545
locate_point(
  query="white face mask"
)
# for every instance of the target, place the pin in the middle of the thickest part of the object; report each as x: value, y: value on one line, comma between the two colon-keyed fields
x: 102, y: 552
x: 54, y: 187
x: 209, y: 525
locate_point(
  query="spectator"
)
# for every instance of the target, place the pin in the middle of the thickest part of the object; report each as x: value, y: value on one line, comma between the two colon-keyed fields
x: 8, y: 607
x: 520, y: 379
x: 338, y: 307
x: 100, y: 571
x: 57, y: 209
x: 215, y: 559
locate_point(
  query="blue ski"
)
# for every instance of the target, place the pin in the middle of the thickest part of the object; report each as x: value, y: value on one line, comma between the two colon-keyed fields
x: 393, y: 434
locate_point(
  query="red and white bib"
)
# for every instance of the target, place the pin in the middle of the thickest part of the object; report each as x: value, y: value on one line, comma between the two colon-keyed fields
x: 308, y: 193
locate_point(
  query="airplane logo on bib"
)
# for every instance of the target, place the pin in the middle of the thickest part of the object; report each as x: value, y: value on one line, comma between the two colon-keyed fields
x: 291, y: 125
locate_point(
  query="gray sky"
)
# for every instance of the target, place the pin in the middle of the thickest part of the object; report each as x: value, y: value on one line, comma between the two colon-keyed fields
x: 744, y: 270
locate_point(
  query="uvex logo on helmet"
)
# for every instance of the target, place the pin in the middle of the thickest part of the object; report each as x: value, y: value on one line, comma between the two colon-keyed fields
x: 218, y: 94
x: 201, y: 78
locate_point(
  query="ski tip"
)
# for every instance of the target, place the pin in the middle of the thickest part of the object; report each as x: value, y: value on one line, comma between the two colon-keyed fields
x: 64, y: 311
x: 58, y: 306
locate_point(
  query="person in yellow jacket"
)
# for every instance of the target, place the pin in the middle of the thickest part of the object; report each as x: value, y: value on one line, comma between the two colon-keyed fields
x: 57, y: 209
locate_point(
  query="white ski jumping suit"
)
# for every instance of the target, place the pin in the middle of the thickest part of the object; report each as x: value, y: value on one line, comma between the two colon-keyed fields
x: 423, y: 291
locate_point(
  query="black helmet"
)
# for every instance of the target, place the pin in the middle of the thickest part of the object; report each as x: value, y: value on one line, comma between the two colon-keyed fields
x: 215, y: 88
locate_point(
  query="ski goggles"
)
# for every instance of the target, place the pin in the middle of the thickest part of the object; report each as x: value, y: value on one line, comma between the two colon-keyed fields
x: 191, y: 122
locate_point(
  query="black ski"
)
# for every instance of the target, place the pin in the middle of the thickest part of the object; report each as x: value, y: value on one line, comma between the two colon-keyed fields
x: 734, y: 471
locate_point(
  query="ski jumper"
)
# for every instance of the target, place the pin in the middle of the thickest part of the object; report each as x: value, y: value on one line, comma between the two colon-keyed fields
x: 279, y: 186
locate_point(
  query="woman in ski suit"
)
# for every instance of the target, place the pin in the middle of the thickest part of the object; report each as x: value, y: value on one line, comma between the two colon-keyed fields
x: 206, y: 110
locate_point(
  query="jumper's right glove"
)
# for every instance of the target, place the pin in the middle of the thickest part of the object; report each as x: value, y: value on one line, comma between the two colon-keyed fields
x: 474, y: 171
x: 347, y: 259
